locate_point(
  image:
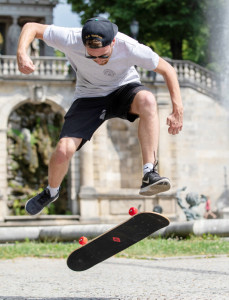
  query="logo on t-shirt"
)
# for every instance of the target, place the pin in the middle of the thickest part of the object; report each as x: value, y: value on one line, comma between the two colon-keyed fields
x: 102, y: 116
x: 109, y: 73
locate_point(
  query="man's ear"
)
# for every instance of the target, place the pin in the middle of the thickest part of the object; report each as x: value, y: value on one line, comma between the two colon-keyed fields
x: 113, y: 42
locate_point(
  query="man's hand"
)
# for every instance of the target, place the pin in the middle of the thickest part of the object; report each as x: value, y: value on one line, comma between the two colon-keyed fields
x: 175, y: 122
x: 29, y: 32
x: 25, y: 64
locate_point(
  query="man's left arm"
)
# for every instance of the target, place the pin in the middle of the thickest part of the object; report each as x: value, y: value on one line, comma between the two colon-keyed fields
x: 175, y: 119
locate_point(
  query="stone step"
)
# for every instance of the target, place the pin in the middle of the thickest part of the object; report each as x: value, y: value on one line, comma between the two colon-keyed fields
x: 42, y: 220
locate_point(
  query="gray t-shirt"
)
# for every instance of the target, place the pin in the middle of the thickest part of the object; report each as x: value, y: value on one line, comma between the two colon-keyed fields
x: 94, y: 80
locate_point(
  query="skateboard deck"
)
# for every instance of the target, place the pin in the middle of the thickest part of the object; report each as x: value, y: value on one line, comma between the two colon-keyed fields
x: 115, y: 240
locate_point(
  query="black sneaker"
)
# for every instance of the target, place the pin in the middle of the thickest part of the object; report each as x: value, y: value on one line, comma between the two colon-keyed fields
x: 35, y: 205
x: 153, y: 184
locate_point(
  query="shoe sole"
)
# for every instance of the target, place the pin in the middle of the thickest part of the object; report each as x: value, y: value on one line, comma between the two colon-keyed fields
x: 41, y: 209
x: 160, y: 186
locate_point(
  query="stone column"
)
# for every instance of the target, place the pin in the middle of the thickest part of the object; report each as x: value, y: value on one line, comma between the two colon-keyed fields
x: 89, y: 207
x: 74, y: 184
x: 3, y: 174
x: 12, y: 37
x: 86, y: 165
x: 47, y: 51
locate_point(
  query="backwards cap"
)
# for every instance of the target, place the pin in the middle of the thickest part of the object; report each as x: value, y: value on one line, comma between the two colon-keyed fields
x: 101, y: 29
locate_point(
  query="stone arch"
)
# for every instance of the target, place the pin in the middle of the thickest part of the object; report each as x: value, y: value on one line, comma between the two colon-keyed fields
x: 6, y: 111
x: 33, y: 131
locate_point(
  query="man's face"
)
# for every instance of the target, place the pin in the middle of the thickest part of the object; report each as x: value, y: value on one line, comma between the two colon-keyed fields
x: 97, y: 54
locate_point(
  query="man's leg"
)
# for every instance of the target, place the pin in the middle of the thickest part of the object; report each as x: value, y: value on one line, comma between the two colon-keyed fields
x: 58, y: 168
x: 144, y: 105
x: 59, y: 162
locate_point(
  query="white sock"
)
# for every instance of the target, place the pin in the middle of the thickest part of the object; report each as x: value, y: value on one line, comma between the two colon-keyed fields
x: 147, y: 168
x: 53, y: 191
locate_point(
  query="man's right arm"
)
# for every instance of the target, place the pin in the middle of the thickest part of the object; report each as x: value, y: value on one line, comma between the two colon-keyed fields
x: 29, y: 32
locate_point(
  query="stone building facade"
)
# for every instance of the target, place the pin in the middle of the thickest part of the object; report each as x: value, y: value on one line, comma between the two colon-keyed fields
x: 15, y: 13
x: 105, y: 175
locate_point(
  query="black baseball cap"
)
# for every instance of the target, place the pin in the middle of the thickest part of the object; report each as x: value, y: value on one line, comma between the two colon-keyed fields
x: 101, y: 29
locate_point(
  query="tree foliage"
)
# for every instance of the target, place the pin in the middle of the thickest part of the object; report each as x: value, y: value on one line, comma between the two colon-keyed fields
x: 176, y: 29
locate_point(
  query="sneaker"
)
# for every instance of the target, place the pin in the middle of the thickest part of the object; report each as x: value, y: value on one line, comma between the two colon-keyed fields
x: 36, y: 204
x: 153, y: 184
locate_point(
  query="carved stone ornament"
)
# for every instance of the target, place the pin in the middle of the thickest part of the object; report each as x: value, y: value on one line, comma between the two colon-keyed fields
x: 37, y: 94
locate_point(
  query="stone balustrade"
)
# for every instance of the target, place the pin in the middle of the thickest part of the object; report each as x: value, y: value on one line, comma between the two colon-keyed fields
x: 53, y: 68
x: 46, y: 67
x: 189, y: 75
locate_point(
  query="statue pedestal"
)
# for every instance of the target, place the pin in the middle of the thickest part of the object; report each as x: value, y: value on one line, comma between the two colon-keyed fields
x: 225, y: 213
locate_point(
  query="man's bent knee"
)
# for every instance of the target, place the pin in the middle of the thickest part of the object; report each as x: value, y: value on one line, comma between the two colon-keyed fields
x: 144, y: 102
x: 65, y: 149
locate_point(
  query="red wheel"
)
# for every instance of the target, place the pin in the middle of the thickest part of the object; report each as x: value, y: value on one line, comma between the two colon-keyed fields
x: 133, y: 211
x: 83, y: 240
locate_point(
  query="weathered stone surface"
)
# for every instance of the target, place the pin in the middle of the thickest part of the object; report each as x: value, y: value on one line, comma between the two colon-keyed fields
x: 112, y: 161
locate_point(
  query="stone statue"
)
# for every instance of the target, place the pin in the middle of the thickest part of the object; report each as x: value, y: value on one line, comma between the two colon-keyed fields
x: 209, y: 214
x: 12, y: 38
x: 193, y: 199
x: 158, y: 209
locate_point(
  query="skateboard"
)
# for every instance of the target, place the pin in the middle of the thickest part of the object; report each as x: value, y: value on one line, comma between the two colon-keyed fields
x: 115, y: 240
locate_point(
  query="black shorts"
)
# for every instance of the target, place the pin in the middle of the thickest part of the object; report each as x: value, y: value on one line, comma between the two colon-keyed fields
x: 86, y: 114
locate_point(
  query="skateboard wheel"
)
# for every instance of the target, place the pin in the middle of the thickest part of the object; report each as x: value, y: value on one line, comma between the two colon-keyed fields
x: 133, y: 211
x: 83, y: 240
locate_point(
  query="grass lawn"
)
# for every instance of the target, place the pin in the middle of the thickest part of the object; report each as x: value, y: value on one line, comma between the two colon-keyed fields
x: 148, y: 248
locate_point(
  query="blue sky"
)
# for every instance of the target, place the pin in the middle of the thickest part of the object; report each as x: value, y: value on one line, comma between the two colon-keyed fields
x: 63, y: 16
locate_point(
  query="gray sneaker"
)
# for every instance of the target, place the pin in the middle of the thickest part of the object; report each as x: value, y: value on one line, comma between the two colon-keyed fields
x: 153, y: 183
x: 36, y: 204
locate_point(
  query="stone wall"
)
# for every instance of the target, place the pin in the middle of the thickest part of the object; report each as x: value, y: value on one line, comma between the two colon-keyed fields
x: 195, y: 158
x: 105, y: 175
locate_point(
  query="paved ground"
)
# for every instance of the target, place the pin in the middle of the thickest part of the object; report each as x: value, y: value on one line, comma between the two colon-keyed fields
x: 124, y: 279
